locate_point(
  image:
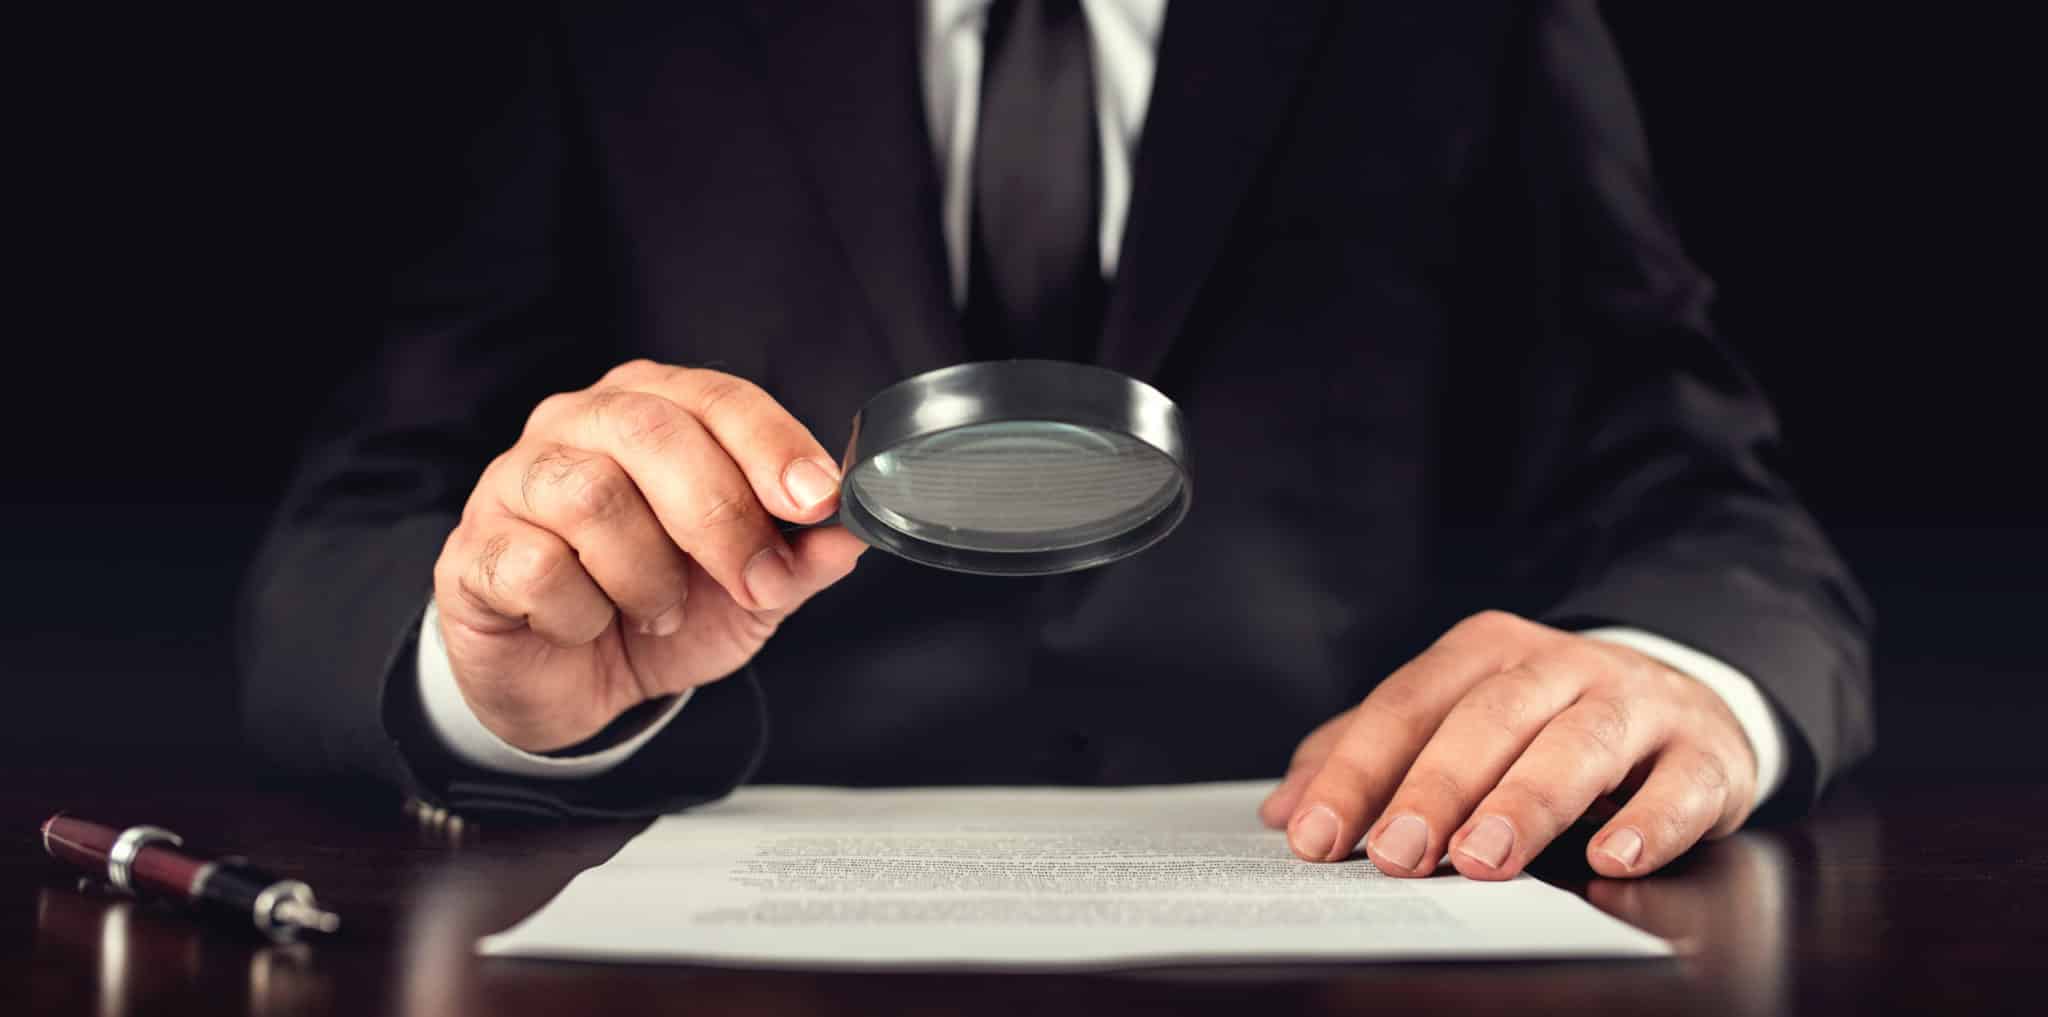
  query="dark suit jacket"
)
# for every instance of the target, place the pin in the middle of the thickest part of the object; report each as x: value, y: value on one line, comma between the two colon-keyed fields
x: 1402, y: 264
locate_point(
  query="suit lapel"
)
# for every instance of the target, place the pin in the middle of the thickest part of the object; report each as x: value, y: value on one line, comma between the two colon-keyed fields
x: 1226, y: 72
x: 848, y: 75
x: 849, y: 79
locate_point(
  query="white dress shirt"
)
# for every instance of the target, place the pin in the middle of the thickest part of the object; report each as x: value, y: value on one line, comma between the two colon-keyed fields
x: 1124, y: 36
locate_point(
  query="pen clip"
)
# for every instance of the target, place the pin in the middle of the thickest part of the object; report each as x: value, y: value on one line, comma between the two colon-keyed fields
x: 121, y: 857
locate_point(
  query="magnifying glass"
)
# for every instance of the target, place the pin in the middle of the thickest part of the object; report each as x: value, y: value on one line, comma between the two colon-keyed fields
x: 1016, y: 468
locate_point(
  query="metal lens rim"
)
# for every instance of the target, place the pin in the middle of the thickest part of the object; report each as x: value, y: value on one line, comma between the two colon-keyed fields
x: 1005, y: 391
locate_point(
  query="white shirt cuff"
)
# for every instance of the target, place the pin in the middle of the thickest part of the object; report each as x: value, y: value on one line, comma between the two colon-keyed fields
x: 451, y: 719
x: 1766, y: 733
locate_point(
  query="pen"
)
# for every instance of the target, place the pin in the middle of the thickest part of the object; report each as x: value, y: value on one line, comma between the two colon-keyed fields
x: 148, y: 858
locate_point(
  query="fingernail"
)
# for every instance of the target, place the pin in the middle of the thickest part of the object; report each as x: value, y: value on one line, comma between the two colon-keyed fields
x: 1403, y: 841
x: 1489, y: 842
x: 1624, y: 846
x: 809, y: 483
x: 770, y: 581
x: 1315, y: 833
x: 667, y: 623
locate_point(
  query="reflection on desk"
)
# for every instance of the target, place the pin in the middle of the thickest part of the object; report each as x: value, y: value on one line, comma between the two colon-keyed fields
x: 142, y: 954
x: 1864, y: 908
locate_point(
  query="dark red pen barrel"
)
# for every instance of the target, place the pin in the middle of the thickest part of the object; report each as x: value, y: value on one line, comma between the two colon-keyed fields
x: 79, y: 843
x: 157, y: 867
x: 146, y: 860
x: 160, y: 868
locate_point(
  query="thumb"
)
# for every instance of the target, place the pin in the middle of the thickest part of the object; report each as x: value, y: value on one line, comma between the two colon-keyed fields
x: 821, y: 556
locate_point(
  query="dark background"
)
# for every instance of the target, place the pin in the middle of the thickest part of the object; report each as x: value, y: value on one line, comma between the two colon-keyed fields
x: 202, y: 216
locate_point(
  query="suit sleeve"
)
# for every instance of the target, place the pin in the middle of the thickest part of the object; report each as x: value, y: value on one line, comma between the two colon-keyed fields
x: 486, y: 316
x: 1642, y: 486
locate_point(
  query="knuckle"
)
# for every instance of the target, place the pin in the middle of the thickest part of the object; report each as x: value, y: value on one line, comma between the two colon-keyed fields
x: 1540, y: 800
x: 632, y: 371
x: 639, y: 421
x: 548, y: 410
x: 543, y: 473
x: 1602, y: 724
x: 575, y: 490
x: 1394, y: 697
x: 518, y: 568
x: 1508, y: 700
x: 1580, y: 659
x: 1416, y: 727
x: 1491, y: 624
x: 598, y: 491
x: 1621, y: 663
x: 489, y: 556
x: 724, y: 509
x: 1708, y: 772
x: 715, y: 390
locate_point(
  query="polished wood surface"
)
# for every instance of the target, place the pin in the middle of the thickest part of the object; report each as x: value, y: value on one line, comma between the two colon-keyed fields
x: 1897, y: 895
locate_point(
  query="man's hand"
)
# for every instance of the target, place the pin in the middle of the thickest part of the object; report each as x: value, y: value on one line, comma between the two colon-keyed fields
x: 1503, y: 734
x: 626, y: 548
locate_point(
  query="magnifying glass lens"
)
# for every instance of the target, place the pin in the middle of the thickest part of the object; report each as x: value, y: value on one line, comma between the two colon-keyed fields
x: 1018, y: 486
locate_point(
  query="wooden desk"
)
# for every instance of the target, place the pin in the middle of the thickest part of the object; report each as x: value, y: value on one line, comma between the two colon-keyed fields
x: 1906, y: 897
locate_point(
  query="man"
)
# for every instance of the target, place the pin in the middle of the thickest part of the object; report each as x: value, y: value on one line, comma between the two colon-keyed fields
x: 1483, y: 507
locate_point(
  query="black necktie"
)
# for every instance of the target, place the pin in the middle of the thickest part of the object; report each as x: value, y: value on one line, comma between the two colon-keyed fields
x: 1034, y: 278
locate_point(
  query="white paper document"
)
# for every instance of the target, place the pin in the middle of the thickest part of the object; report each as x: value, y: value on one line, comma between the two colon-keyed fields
x: 1028, y: 878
